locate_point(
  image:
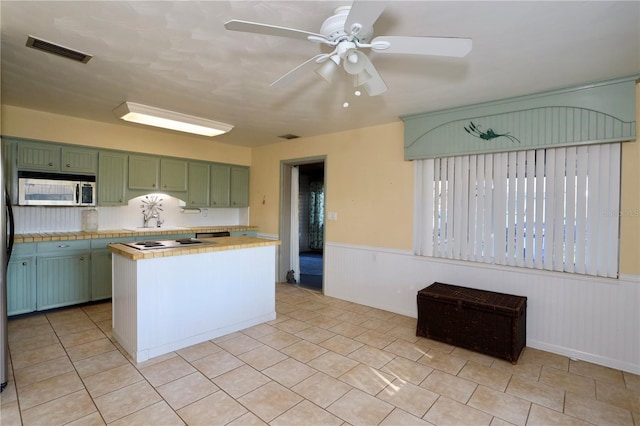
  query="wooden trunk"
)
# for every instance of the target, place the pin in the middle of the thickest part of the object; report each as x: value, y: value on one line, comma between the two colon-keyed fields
x: 482, y: 321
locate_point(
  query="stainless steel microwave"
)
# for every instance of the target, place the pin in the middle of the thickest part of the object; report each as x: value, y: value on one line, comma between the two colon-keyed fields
x: 55, y: 189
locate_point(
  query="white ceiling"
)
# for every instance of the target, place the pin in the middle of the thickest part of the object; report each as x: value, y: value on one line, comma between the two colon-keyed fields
x: 177, y: 55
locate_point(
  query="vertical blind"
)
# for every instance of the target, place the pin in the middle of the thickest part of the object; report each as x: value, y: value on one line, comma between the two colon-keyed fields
x: 554, y: 209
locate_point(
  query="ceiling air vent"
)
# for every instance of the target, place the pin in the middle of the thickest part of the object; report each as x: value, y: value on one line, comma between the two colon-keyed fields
x: 289, y: 136
x: 47, y: 46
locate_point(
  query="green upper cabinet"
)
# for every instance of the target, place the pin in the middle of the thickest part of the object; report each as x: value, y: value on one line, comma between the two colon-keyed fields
x: 157, y: 174
x: 78, y: 160
x: 112, y: 179
x: 122, y: 175
x: 198, y: 193
x: 229, y: 186
x: 36, y: 156
x: 173, y: 175
x: 239, y: 186
x: 144, y: 172
x: 54, y: 158
x: 220, y: 185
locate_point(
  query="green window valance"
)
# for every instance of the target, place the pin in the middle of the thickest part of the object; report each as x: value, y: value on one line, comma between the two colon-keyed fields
x: 596, y: 113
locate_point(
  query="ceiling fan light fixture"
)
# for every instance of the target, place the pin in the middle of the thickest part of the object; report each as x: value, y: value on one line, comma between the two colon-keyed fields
x: 375, y: 87
x: 361, y: 78
x: 355, y: 63
x: 151, y: 116
x: 328, y: 69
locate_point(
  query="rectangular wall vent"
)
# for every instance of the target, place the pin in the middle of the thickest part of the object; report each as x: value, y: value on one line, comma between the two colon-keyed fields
x: 47, y: 46
x: 289, y: 136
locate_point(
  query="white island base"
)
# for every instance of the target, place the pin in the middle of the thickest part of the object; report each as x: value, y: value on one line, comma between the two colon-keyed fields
x: 163, y: 304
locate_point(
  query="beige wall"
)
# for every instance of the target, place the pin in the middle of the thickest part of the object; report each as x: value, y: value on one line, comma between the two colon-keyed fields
x: 369, y: 185
x: 630, y: 203
x: 40, y: 125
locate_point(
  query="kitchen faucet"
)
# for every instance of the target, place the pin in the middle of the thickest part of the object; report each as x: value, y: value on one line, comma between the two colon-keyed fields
x: 155, y: 216
x: 150, y: 206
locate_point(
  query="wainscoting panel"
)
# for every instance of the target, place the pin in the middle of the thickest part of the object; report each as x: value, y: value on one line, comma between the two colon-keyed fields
x: 592, y: 319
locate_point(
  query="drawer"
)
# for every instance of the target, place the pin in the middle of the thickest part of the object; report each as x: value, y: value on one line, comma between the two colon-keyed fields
x: 54, y: 247
x: 249, y: 233
x: 23, y: 248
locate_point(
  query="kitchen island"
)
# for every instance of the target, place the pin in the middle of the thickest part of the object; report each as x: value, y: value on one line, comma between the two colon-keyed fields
x: 168, y: 299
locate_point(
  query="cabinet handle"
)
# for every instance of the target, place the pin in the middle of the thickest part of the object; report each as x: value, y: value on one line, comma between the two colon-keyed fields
x: 153, y: 185
x: 81, y: 257
x: 63, y: 246
x: 50, y: 163
x: 68, y: 165
x: 24, y: 263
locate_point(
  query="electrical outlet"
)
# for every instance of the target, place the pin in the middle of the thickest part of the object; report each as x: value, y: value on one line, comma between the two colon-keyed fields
x: 332, y: 215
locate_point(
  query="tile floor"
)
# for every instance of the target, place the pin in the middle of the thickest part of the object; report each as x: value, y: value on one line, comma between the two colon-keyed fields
x: 323, y: 361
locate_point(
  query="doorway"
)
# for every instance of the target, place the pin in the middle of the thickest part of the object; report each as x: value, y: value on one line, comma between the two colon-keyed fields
x: 306, y: 258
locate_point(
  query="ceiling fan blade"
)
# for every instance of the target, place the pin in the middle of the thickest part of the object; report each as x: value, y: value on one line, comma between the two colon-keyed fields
x: 364, y: 13
x: 266, y: 29
x: 289, y: 77
x: 374, y: 85
x: 436, y: 46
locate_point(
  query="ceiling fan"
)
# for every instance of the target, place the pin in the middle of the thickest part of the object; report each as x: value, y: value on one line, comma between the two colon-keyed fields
x: 347, y: 32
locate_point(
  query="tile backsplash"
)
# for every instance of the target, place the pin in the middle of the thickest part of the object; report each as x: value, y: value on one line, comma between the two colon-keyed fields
x: 66, y: 219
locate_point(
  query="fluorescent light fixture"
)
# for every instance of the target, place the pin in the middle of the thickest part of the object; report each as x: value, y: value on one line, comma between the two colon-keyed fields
x: 143, y: 114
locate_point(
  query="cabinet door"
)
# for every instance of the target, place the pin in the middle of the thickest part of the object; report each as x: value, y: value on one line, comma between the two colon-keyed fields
x: 112, y: 179
x: 173, y: 175
x: 198, y: 193
x: 37, y: 156
x: 21, y: 286
x: 77, y: 160
x: 62, y: 280
x: 220, y: 181
x: 10, y: 168
x: 239, y: 187
x: 144, y: 172
x: 100, y: 274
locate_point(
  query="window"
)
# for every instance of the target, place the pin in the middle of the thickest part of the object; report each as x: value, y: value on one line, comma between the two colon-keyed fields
x: 554, y: 209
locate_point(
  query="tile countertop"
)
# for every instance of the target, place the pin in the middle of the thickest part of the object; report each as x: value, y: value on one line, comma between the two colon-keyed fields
x: 219, y: 244
x: 115, y: 233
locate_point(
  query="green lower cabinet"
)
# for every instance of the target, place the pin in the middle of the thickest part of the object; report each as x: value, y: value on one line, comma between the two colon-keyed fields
x: 100, y: 274
x: 21, y: 285
x: 62, y: 280
x: 101, y: 266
